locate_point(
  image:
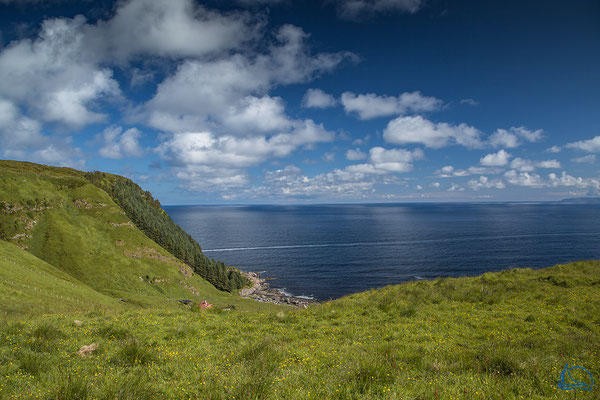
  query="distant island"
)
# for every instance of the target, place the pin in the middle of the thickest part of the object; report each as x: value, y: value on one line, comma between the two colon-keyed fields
x: 581, y: 200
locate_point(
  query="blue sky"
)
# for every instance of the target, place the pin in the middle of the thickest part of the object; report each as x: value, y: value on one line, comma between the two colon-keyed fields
x: 275, y: 101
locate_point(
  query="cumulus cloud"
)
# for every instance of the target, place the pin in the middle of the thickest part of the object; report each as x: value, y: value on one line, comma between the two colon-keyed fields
x: 548, y: 164
x: 448, y: 172
x: 360, y: 9
x: 316, y: 98
x: 554, y: 149
x: 591, y: 145
x: 524, y: 179
x: 503, y: 138
x: 168, y: 28
x: 524, y: 165
x: 355, y: 155
x: 370, y: 105
x: 204, y: 156
x: 416, y: 129
x: 209, y: 94
x: 387, y: 161
x: 456, y: 188
x: 498, y: 159
x: 17, y: 132
x: 52, y: 76
x: 514, y: 136
x: 476, y: 170
x: 117, y: 144
x: 353, y: 180
x: 570, y: 181
x: 485, y: 183
x: 534, y: 180
x: 22, y: 138
x: 60, y: 154
x: 589, y: 159
x: 291, y: 182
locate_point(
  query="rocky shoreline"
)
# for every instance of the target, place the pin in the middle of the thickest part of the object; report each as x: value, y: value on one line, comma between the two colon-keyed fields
x: 262, y: 291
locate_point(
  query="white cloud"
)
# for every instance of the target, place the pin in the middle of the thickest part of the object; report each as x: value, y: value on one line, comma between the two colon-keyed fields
x: 208, y: 94
x: 22, y: 139
x: 524, y: 179
x: 417, y: 129
x: 448, y: 169
x: 548, y: 164
x: 359, y: 9
x: 512, y: 137
x: 17, y: 132
x: 503, y: 138
x: 448, y: 172
x: 554, y: 149
x: 590, y: 159
x: 316, y: 98
x: 168, y: 28
x: 54, y: 78
x: 229, y: 151
x: 469, y: 101
x: 485, y: 183
x: 436, y: 184
x: 203, y: 156
x: 498, y: 159
x: 570, y: 181
x: 524, y: 165
x: 355, y: 179
x: 392, y: 160
x: 355, y: 155
x: 591, y: 145
x: 328, y: 157
x: 60, y: 155
x: 291, y: 182
x: 526, y: 134
x: 456, y: 188
x: 117, y: 144
x: 253, y: 114
x: 370, y: 105
x: 485, y: 170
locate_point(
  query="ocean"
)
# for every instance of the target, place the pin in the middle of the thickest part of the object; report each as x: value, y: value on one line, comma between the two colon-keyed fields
x: 328, y: 251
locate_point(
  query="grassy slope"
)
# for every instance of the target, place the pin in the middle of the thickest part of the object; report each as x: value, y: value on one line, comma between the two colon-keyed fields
x: 499, y: 336
x: 30, y: 285
x: 77, y: 228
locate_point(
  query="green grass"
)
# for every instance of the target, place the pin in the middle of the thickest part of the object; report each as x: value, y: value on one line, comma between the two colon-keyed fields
x: 29, y: 285
x: 502, y: 335
x: 70, y: 254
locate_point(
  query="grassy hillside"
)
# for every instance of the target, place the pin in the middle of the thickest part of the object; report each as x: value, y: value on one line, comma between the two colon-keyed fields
x: 58, y: 216
x: 30, y: 285
x: 145, y: 212
x: 503, y: 335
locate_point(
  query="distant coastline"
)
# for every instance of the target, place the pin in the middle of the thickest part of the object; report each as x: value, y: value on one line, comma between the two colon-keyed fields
x: 581, y: 200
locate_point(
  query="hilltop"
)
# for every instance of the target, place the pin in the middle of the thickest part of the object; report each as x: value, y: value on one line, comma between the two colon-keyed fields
x: 75, y: 270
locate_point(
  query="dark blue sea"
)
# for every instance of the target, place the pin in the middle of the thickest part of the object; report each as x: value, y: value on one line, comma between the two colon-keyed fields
x: 328, y: 251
